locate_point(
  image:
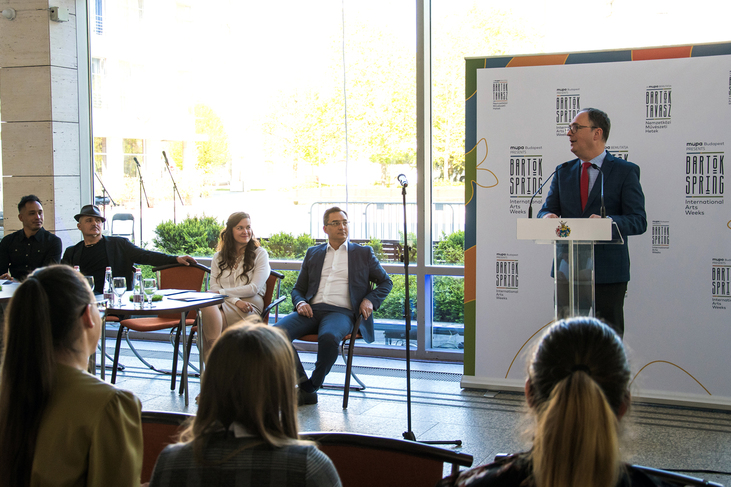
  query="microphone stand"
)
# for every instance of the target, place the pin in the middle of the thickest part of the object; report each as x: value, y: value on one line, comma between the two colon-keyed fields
x: 175, y: 187
x: 142, y: 191
x: 409, y: 434
x: 105, y: 193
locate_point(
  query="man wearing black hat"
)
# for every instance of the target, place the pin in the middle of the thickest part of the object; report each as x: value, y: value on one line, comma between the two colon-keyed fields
x: 96, y: 252
x: 30, y: 247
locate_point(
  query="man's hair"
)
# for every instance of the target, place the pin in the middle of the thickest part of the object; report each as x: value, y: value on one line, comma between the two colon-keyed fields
x: 334, y: 209
x: 600, y: 120
x: 26, y: 199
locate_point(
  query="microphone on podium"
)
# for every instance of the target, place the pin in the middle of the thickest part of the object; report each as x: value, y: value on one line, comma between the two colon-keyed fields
x: 603, y: 211
x: 530, y: 203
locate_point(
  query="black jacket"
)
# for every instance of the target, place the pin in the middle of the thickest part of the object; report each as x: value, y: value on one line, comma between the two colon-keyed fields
x: 121, y: 257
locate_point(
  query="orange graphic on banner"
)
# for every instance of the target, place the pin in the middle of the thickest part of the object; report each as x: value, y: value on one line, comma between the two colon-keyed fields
x: 661, y: 53
x: 542, y: 60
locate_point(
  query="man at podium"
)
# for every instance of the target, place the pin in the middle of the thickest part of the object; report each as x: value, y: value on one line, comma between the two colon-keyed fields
x: 576, y: 193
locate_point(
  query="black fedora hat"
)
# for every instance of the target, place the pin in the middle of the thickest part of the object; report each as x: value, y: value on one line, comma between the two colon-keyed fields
x: 90, y: 210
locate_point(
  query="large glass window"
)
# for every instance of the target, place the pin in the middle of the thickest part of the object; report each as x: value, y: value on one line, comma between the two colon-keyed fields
x: 283, y: 109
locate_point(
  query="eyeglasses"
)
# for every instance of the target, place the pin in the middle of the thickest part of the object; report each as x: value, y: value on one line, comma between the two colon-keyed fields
x: 339, y: 223
x: 575, y: 127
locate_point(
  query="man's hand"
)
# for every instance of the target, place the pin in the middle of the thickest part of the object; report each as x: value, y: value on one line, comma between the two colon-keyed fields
x: 244, y: 306
x: 6, y: 276
x: 550, y: 215
x: 304, y: 309
x: 366, y: 308
x: 186, y: 260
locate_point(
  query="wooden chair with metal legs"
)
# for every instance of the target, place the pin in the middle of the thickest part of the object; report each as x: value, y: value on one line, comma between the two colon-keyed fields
x: 273, y: 286
x: 159, y: 429
x: 399, y: 462
x: 173, y: 276
x: 348, y: 360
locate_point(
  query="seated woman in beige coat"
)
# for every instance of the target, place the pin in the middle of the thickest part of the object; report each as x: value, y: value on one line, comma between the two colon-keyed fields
x: 239, y: 270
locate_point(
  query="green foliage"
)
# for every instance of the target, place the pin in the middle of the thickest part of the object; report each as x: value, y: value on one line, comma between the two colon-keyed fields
x: 377, y: 247
x: 285, y: 246
x: 448, y: 299
x: 393, y: 307
x: 192, y: 236
x: 412, y: 244
x: 450, y: 248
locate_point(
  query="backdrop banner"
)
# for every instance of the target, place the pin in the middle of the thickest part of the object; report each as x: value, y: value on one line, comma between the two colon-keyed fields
x: 671, y: 115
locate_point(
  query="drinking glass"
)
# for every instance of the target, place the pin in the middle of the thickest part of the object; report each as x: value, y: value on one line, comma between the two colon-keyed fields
x: 149, y: 286
x: 120, y: 286
x: 90, y: 280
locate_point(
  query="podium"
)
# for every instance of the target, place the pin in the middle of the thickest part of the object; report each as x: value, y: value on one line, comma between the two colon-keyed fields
x: 573, y: 258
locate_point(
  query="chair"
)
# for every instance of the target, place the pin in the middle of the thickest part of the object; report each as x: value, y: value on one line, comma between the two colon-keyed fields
x: 675, y: 478
x: 312, y: 338
x: 191, y: 277
x: 274, y: 282
x: 127, y: 220
x: 399, y: 462
x: 159, y: 429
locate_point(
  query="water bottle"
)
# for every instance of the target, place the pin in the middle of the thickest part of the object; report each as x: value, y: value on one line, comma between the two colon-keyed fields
x: 108, y: 291
x: 137, y: 296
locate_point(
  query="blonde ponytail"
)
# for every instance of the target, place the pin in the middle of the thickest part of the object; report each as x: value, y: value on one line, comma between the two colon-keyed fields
x: 576, y: 443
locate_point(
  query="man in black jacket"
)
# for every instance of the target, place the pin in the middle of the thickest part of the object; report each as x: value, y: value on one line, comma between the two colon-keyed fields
x: 95, y: 252
x: 30, y: 247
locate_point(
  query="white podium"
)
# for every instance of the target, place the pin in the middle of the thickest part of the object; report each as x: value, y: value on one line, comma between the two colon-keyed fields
x: 573, y: 258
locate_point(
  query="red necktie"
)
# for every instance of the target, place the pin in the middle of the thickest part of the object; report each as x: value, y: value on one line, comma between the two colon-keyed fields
x: 584, y: 183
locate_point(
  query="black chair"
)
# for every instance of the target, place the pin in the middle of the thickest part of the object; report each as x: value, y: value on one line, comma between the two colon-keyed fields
x: 365, y: 460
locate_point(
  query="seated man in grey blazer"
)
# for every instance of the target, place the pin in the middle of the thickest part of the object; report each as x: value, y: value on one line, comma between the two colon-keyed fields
x: 332, y: 289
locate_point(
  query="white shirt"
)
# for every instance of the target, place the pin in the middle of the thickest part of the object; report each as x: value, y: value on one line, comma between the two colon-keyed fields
x: 333, y: 287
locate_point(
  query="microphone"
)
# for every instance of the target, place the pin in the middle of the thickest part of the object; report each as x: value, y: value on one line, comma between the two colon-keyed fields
x: 402, y: 180
x: 603, y: 211
x: 166, y: 159
x: 530, y: 204
x: 137, y: 162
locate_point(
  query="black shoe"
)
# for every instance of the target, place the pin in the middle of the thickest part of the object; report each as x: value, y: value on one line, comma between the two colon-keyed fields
x: 306, y: 398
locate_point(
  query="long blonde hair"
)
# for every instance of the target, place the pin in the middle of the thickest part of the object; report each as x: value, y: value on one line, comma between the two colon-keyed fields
x: 578, y: 381
x: 249, y: 380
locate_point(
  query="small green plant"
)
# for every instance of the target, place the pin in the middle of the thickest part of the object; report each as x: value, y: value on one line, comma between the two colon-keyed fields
x: 377, y: 247
x: 192, y: 236
x: 284, y: 245
x: 450, y: 248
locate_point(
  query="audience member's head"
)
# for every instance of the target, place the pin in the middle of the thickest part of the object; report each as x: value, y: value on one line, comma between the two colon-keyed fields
x: 51, y: 314
x: 249, y: 380
x: 30, y: 214
x: 578, y: 388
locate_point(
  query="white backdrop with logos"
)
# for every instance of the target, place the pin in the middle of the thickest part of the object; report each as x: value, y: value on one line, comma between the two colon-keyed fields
x: 671, y: 117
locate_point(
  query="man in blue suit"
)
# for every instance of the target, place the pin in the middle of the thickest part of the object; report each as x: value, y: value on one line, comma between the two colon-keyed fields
x: 332, y: 289
x: 570, y: 197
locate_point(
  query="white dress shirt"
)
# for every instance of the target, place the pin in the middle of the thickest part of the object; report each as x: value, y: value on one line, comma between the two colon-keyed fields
x: 333, y: 287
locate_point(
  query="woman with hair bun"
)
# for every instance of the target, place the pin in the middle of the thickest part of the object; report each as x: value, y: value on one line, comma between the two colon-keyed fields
x: 58, y: 424
x: 239, y: 269
x: 578, y: 390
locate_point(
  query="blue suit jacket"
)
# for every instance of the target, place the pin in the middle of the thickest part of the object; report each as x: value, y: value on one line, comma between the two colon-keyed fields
x: 363, y: 268
x: 623, y: 199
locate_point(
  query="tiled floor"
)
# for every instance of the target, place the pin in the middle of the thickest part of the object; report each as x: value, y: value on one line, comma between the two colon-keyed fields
x: 656, y: 436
